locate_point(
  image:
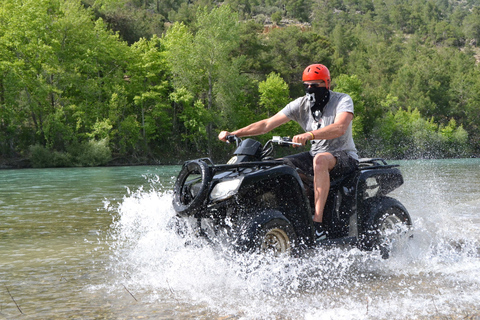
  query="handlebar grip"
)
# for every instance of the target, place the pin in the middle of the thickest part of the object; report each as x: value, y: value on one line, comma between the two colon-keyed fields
x: 231, y: 138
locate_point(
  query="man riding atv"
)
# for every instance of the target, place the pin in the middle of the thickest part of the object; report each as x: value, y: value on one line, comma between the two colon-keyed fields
x: 326, y: 116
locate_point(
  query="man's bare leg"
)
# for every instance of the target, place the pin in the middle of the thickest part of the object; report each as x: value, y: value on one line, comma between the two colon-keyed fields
x: 323, y: 163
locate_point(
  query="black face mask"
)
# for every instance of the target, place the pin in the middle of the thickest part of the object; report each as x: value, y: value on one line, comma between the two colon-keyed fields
x: 320, y: 97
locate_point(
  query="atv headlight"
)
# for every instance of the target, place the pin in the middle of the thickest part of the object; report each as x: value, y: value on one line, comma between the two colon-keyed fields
x: 225, y: 189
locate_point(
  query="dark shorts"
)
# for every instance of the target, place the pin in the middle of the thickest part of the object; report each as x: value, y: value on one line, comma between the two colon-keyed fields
x: 304, y: 161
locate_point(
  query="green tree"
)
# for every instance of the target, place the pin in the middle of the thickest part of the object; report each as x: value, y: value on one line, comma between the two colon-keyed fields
x: 71, y: 89
x: 471, y: 25
x: 133, y: 19
x: 298, y: 9
x: 352, y: 86
x: 392, y: 136
x: 243, y: 7
x: 423, y: 83
x: 148, y: 81
x: 406, y: 134
x: 289, y: 50
x: 62, y: 66
x: 274, y: 95
x: 326, y: 14
x: 454, y: 139
x: 277, y: 17
x: 251, y: 48
x: 201, y: 61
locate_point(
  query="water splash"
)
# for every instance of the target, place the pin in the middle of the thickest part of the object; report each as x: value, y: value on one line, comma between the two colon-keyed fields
x: 434, y: 274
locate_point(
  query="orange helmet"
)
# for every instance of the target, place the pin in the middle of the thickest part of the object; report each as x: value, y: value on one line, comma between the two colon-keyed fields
x: 317, y: 72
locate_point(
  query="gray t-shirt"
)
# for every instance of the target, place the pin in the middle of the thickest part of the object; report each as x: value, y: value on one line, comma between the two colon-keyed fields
x: 299, y: 111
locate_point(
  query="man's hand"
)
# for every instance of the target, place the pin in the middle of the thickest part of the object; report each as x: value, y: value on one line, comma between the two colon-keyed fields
x: 302, y: 138
x: 223, y: 135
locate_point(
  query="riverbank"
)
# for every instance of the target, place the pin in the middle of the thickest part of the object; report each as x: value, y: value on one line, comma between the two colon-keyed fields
x: 24, y: 163
x: 14, y: 163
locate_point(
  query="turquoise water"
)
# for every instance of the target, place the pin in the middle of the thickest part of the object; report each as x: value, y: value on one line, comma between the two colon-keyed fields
x: 94, y: 243
x: 53, y: 237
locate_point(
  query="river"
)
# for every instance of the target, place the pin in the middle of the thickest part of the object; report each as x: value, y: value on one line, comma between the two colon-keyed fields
x: 95, y: 243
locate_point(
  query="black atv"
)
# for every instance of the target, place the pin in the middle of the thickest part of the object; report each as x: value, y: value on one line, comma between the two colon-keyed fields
x: 261, y: 204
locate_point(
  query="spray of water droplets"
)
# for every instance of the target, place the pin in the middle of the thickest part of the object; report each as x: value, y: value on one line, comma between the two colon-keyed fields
x: 431, y: 274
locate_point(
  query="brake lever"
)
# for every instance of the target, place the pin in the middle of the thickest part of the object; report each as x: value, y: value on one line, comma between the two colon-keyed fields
x: 284, y: 141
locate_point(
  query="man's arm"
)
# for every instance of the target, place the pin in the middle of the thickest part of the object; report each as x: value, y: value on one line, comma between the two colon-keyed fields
x: 257, y: 128
x: 332, y: 131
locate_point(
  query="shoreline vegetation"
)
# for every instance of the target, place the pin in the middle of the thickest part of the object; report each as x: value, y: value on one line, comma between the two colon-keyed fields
x: 120, y: 161
x: 126, y: 82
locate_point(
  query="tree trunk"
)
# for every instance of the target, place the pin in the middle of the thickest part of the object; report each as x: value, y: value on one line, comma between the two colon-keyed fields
x: 2, y: 91
x: 209, y: 108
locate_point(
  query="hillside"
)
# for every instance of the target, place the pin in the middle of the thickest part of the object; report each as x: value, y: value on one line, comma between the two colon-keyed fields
x: 85, y: 82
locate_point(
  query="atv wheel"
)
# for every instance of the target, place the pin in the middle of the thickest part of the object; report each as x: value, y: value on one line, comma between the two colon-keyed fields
x: 388, y: 224
x: 392, y: 228
x: 388, y: 227
x: 275, y: 237
x: 191, y: 187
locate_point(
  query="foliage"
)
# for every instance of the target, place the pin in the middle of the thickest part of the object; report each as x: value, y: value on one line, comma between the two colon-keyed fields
x: 277, y: 17
x: 82, y: 80
x: 200, y: 62
x: 91, y: 153
x: 87, y: 154
x: 63, y: 71
x: 404, y: 134
x: 352, y: 86
x: 41, y: 157
x: 289, y: 50
x: 149, y: 84
x: 274, y: 95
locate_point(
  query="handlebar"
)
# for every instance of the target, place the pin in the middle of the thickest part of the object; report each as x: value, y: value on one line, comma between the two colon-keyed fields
x: 281, y: 141
x: 268, y: 147
x: 284, y: 141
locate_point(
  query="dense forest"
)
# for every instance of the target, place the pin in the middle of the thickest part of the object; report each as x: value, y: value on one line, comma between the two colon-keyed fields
x: 95, y: 82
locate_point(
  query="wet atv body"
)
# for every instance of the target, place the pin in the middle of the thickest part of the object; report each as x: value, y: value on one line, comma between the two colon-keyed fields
x: 258, y: 203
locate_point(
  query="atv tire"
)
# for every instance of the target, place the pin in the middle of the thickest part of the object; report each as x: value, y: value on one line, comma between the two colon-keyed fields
x: 275, y: 237
x: 185, y: 201
x: 391, y: 223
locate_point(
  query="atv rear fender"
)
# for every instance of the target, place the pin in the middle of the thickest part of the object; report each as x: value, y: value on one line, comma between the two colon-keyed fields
x: 378, y: 182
